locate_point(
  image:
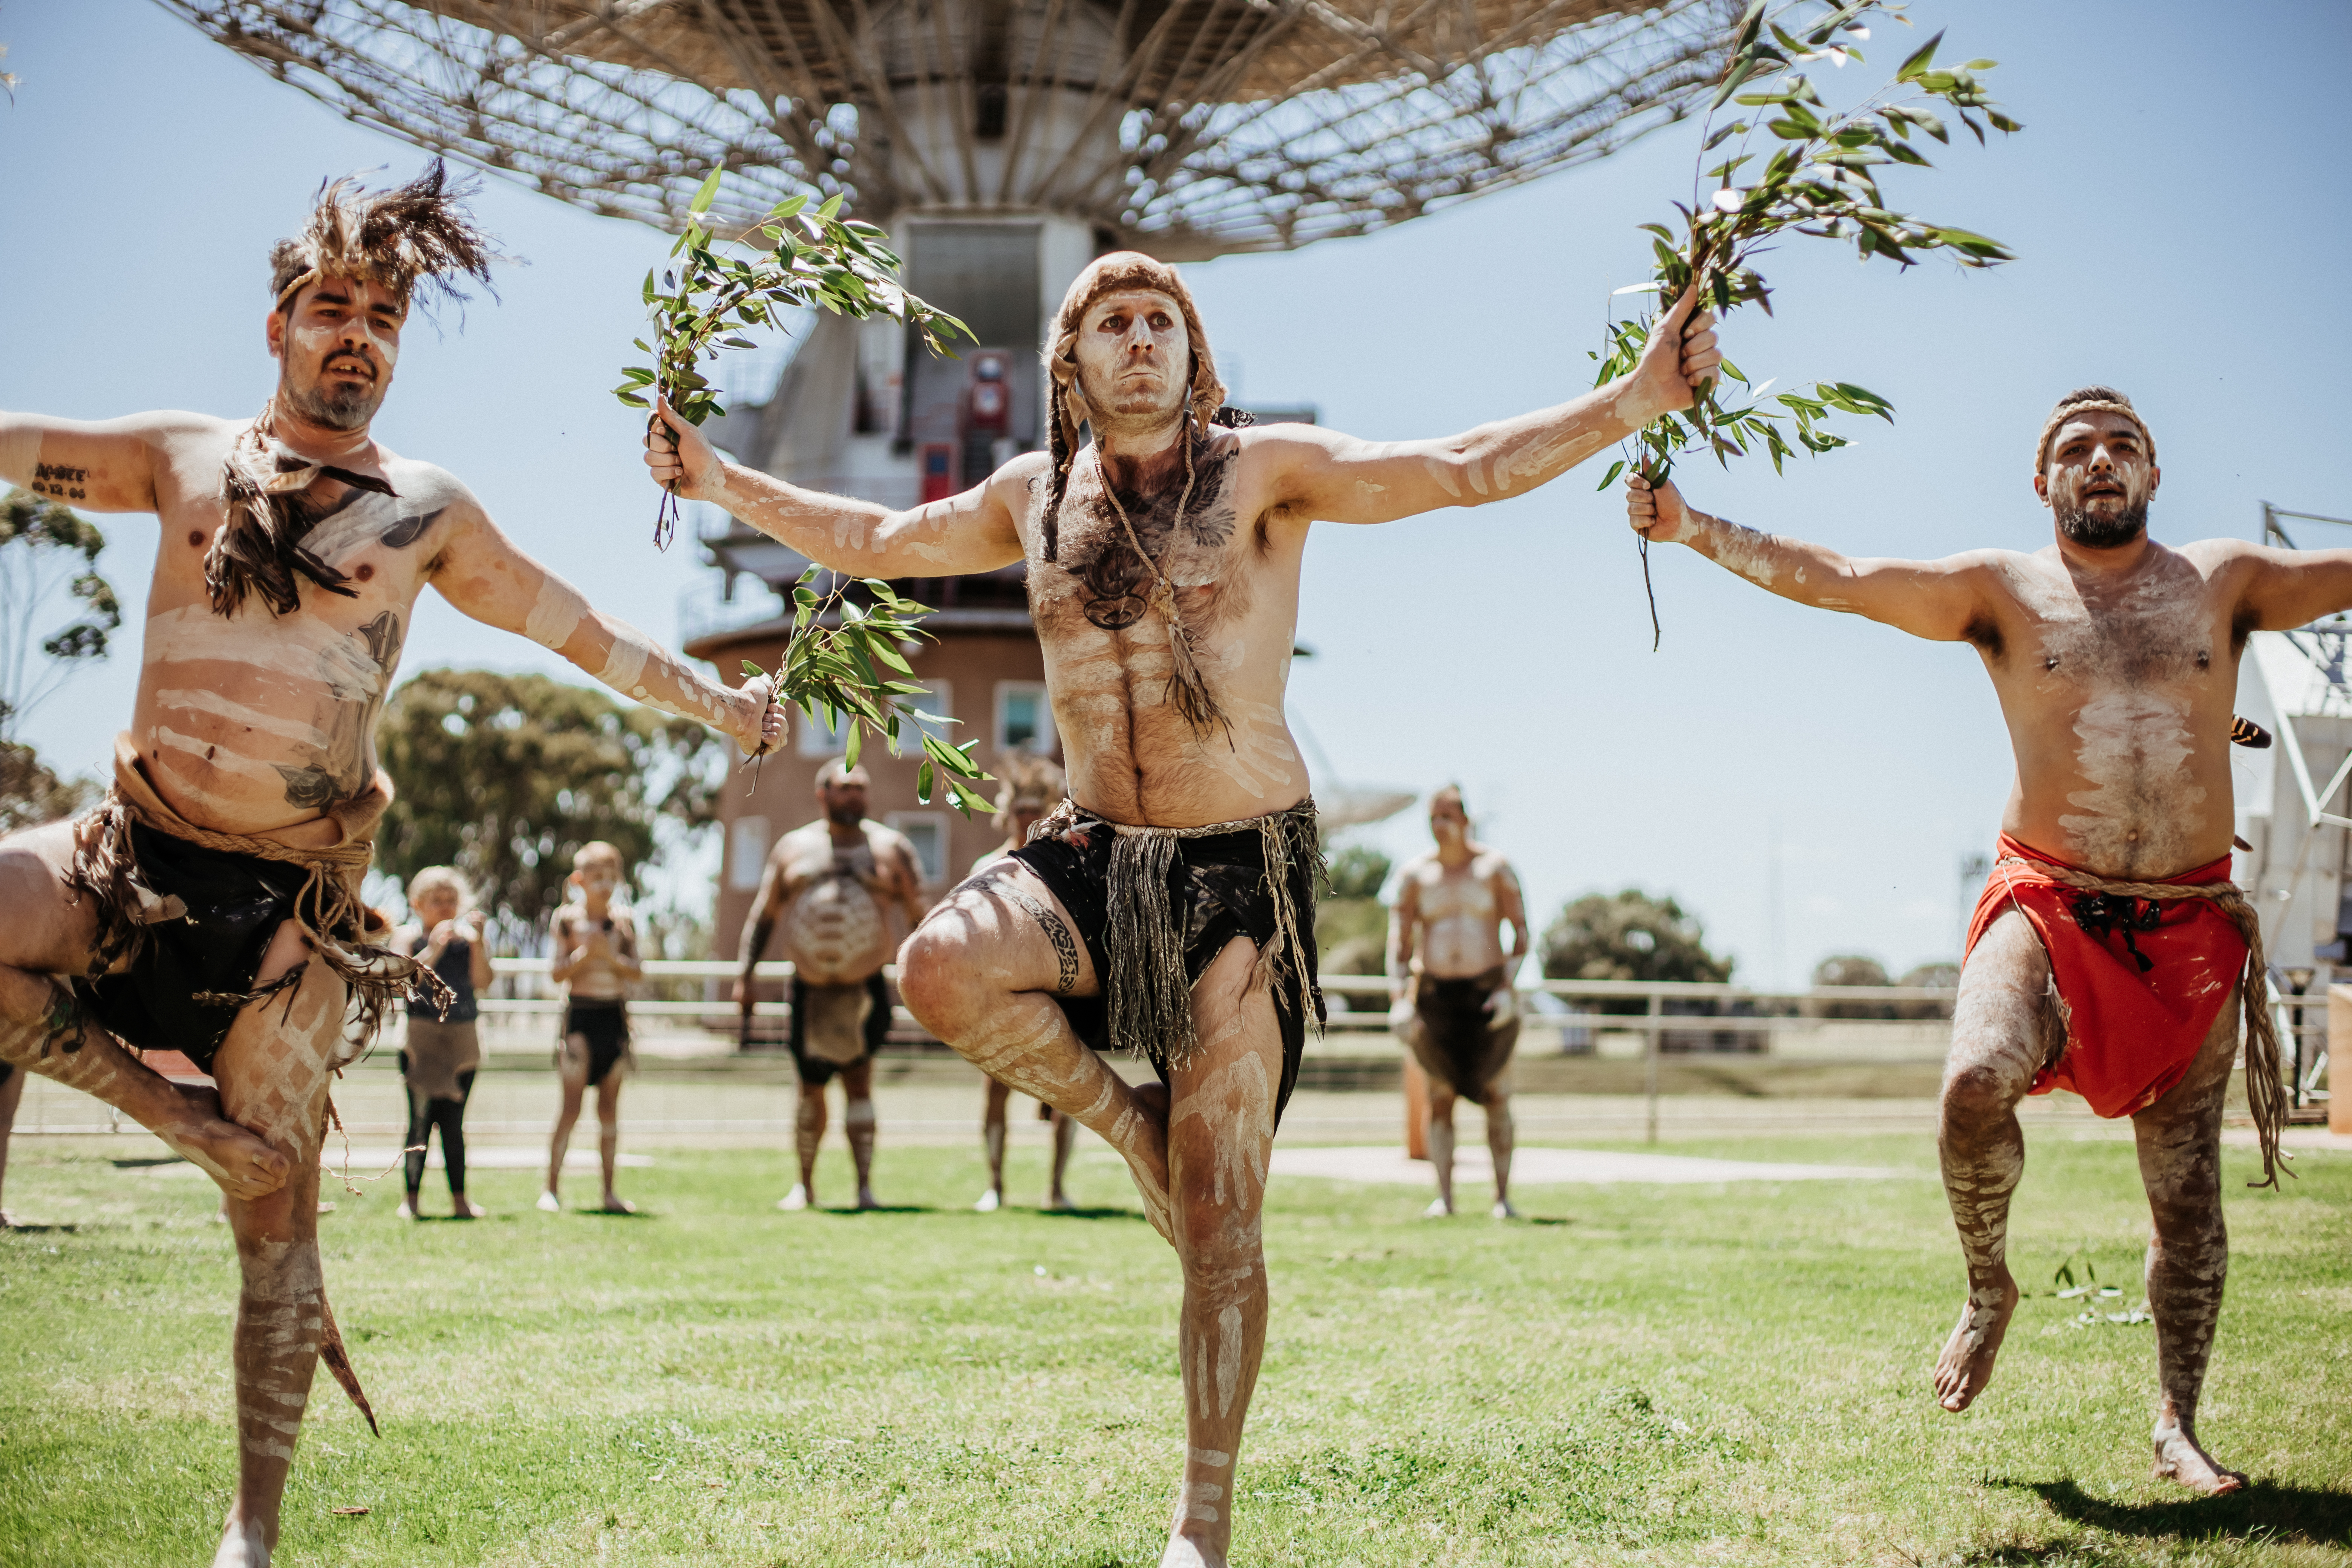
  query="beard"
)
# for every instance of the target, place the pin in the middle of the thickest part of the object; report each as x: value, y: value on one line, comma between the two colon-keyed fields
x: 843, y: 815
x: 339, y: 406
x: 2102, y: 530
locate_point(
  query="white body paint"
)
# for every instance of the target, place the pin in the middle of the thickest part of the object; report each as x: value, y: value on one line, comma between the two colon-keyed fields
x: 555, y: 614
x: 2127, y: 738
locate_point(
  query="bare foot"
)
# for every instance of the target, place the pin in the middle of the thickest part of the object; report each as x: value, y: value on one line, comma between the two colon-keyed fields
x: 2180, y: 1458
x: 463, y: 1208
x: 1183, y: 1552
x: 865, y: 1199
x: 615, y: 1204
x: 245, y: 1543
x: 1059, y: 1203
x: 1965, y: 1365
x: 247, y: 1168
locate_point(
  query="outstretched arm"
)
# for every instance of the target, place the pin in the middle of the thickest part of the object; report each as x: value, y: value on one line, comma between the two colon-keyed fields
x: 2289, y: 588
x: 481, y: 572
x: 1323, y: 474
x: 1938, y: 600
x: 975, y: 532
x: 107, y: 466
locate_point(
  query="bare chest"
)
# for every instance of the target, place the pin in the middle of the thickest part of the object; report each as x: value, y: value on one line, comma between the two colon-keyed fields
x: 1463, y: 894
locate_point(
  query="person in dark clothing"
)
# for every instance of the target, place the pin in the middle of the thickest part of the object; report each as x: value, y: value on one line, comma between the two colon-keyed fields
x: 440, y: 1057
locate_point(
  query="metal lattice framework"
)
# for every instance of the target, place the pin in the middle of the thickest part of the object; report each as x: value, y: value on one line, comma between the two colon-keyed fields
x: 1188, y: 128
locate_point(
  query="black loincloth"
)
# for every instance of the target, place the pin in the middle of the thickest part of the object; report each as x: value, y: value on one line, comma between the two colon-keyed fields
x: 817, y: 1071
x: 604, y: 1023
x: 1460, y: 1044
x: 190, y: 974
x: 1216, y: 889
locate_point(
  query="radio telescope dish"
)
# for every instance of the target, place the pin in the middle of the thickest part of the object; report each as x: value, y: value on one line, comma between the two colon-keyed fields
x: 1185, y: 128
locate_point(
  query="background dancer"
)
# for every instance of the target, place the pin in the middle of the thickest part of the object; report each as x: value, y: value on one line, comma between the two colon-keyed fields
x: 439, y: 1055
x: 1031, y: 787
x: 843, y: 890
x: 212, y: 905
x: 594, y: 956
x: 1452, y: 985
x: 1168, y: 909
x: 2109, y: 955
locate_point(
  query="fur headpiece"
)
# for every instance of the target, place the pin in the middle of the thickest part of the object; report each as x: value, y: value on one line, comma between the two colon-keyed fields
x: 2087, y: 400
x: 413, y: 236
x: 1028, y: 782
x: 1066, y: 404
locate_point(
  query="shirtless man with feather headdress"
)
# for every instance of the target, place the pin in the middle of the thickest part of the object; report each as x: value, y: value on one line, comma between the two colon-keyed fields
x: 211, y: 905
x: 1168, y: 907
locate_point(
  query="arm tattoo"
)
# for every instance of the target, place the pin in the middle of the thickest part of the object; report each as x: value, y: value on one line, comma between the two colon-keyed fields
x: 59, y: 482
x: 1065, y: 947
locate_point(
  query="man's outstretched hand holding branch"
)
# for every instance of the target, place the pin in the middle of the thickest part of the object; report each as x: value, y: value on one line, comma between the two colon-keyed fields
x: 1938, y: 600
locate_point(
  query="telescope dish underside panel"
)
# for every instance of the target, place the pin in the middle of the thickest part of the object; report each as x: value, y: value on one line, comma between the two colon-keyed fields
x: 1188, y: 130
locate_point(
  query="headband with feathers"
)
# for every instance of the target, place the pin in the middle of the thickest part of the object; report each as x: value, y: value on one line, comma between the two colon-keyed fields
x: 413, y: 237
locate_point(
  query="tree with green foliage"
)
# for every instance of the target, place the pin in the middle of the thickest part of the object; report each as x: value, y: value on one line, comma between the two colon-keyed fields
x: 1630, y: 935
x: 1351, y: 924
x: 504, y: 776
x: 46, y: 549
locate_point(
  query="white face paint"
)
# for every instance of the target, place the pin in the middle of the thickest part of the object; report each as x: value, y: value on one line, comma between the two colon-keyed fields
x: 20, y: 450
x: 554, y: 614
x: 1443, y: 472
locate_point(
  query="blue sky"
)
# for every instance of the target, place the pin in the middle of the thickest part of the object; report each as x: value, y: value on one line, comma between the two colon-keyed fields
x: 2178, y: 202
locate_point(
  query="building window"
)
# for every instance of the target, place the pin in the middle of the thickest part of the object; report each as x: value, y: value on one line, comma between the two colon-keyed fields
x: 1023, y: 721
x: 928, y: 832
x: 747, y: 852
x: 818, y: 738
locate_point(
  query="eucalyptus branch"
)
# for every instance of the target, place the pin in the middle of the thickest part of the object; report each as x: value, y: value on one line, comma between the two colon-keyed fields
x: 843, y: 672
x: 803, y: 259
x: 798, y: 259
x: 1819, y: 182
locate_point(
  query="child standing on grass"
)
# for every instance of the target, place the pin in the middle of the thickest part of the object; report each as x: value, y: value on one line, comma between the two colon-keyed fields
x: 440, y: 1056
x: 594, y: 955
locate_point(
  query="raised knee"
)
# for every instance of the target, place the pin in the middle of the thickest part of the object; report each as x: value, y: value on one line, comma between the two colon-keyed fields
x: 1975, y: 1096
x: 934, y: 980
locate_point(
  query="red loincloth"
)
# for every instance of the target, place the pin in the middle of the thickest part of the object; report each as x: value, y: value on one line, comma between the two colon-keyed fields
x: 2131, y: 1034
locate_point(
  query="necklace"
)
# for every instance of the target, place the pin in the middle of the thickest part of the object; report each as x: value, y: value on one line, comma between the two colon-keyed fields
x: 1188, y: 692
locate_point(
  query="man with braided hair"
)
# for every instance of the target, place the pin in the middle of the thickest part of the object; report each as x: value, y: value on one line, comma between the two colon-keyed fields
x: 2109, y: 953
x: 211, y: 905
x: 1166, y: 908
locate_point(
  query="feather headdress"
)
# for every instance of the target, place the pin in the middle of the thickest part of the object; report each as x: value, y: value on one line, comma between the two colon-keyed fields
x: 413, y: 237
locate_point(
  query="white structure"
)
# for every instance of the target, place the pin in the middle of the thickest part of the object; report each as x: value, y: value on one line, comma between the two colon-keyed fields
x: 2292, y: 810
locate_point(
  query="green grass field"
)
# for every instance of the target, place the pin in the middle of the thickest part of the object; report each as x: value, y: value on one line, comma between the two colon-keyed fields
x: 1633, y: 1374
